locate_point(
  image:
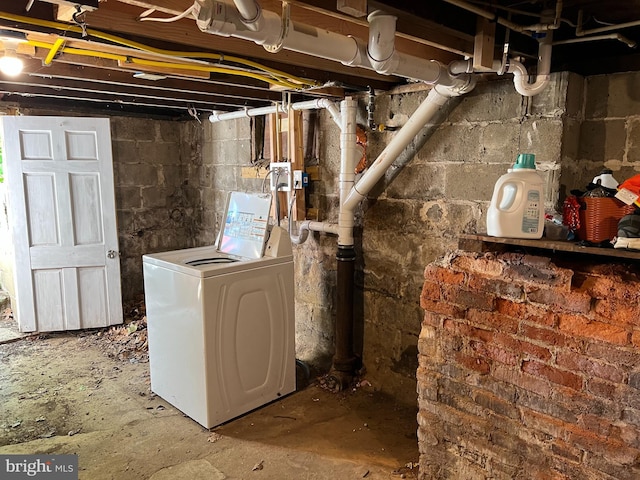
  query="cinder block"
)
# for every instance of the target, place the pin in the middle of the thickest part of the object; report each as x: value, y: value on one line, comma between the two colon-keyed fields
x: 170, y: 176
x: 597, y: 97
x: 575, y: 104
x: 225, y: 179
x: 489, y: 101
x: 623, y: 98
x: 552, y: 100
x: 416, y: 182
x: 139, y: 174
x: 128, y: 198
x: 543, y: 137
x: 602, y: 140
x: 153, y: 197
x: 500, y: 142
x: 472, y: 182
x: 452, y: 143
x: 133, y: 128
x: 633, y: 142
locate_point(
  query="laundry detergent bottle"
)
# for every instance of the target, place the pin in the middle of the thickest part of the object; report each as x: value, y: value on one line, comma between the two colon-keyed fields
x: 517, y: 204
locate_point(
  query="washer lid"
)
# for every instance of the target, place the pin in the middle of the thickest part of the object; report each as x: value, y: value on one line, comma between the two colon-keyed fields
x: 245, y: 228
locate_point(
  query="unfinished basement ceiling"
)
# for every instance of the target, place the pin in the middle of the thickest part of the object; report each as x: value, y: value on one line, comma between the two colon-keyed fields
x: 593, y: 38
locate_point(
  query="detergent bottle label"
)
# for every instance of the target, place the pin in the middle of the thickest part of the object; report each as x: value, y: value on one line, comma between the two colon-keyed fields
x: 531, y: 214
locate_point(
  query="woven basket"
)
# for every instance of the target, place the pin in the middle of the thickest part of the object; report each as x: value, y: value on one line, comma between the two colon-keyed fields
x: 599, y: 218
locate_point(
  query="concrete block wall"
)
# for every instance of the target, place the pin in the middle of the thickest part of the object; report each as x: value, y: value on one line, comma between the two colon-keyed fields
x: 438, y: 188
x: 528, y: 370
x: 441, y: 187
x: 608, y: 116
x: 157, y: 165
x: 226, y: 149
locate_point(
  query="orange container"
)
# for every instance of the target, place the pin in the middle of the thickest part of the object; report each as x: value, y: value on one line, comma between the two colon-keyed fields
x: 599, y: 218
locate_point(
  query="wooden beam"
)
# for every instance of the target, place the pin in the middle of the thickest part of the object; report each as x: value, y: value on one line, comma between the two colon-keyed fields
x: 114, y: 18
x: 296, y: 157
x: 323, y: 14
x: 354, y: 8
x: 55, y: 93
x: 414, y: 30
x: 36, y: 75
x: 484, y: 45
x: 232, y: 94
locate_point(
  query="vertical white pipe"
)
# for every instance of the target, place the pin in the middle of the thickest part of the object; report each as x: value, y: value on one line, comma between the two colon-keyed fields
x: 348, y: 150
x: 381, y: 47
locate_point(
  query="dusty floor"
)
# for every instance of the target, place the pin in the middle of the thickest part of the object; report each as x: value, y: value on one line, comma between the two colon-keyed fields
x: 77, y: 393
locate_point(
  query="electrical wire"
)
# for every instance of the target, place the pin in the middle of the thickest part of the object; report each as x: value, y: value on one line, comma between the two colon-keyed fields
x: 270, y: 75
x: 162, y: 64
x: 144, y: 18
x: 264, y: 181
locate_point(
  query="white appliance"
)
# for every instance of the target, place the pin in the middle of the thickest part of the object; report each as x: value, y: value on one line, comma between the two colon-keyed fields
x: 220, y: 319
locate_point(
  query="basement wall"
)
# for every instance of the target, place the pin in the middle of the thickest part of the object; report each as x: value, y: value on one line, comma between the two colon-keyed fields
x: 438, y: 188
x: 172, y: 179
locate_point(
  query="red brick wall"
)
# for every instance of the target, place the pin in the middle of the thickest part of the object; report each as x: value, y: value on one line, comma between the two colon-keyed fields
x: 528, y: 370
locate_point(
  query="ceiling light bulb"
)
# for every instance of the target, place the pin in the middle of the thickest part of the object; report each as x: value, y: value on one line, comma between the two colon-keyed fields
x: 11, y: 66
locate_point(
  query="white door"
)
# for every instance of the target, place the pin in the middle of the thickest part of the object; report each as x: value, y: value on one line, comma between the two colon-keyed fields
x: 59, y: 177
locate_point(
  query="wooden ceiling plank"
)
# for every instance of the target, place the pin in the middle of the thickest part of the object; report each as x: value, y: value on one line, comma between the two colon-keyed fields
x: 91, y: 74
x: 185, y: 32
x: 71, y: 91
x: 81, y: 88
x: 323, y: 14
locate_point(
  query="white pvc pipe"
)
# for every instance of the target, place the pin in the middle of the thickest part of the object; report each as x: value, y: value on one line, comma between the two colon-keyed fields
x: 307, y: 225
x: 256, y: 112
x: 488, y: 15
x: 520, y: 74
x: 348, y: 150
x: 381, y: 46
x: 384, y: 58
x: 220, y: 17
x: 427, y: 109
x: 251, y: 13
x: 607, y: 36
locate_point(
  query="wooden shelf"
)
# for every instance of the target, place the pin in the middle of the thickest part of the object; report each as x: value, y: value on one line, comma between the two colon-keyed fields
x: 481, y: 243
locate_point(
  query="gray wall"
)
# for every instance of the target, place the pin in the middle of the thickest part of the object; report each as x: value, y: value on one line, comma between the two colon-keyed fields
x: 172, y: 179
x: 437, y: 189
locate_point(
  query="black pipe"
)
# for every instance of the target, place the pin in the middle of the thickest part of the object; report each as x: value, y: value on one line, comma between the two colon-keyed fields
x: 345, y: 362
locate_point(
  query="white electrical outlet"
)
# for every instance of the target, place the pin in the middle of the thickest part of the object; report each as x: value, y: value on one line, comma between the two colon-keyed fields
x: 281, y: 176
x: 297, y: 180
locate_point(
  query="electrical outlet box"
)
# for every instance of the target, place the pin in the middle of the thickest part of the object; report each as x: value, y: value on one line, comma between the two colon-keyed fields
x: 297, y: 179
x: 281, y: 176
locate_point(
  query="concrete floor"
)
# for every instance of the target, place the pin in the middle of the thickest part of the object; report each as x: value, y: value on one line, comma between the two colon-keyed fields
x: 61, y: 394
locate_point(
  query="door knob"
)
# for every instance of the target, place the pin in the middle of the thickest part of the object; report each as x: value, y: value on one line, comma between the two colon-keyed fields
x: 112, y: 254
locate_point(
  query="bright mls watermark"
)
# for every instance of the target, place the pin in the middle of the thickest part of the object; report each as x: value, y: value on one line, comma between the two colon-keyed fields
x: 49, y: 467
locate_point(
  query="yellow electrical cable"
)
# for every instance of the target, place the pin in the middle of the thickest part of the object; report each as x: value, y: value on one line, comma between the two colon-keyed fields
x: 52, y: 52
x: 154, y: 63
x: 293, y: 81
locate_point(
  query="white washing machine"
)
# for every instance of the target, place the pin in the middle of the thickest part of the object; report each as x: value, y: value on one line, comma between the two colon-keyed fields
x: 220, y: 319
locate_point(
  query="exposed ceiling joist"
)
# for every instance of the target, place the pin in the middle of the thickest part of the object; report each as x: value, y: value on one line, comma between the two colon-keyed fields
x: 442, y: 30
